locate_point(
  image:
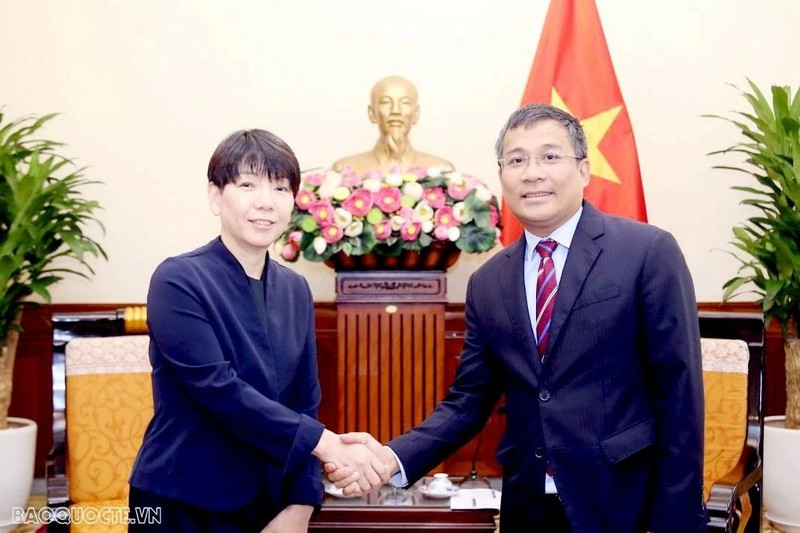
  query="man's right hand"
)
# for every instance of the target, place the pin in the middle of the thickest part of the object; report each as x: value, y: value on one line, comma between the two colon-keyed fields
x: 348, y: 479
x: 355, y: 457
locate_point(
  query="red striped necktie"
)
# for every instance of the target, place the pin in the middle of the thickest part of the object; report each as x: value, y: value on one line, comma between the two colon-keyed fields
x: 545, y: 293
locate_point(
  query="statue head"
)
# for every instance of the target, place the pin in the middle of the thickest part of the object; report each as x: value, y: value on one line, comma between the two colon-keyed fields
x: 394, y: 107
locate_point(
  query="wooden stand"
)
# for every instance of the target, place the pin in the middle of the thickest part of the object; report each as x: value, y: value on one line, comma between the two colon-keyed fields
x: 391, y: 354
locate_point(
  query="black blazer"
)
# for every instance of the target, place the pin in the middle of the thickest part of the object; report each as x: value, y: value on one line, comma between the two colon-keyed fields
x: 235, y: 393
x: 617, y: 406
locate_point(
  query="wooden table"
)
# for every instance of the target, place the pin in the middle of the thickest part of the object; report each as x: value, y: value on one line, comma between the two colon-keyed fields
x: 397, y: 510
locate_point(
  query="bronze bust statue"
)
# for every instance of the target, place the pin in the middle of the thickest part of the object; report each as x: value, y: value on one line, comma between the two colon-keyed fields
x: 395, y: 109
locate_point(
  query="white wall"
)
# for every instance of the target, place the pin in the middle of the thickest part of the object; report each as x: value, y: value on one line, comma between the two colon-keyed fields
x: 148, y: 88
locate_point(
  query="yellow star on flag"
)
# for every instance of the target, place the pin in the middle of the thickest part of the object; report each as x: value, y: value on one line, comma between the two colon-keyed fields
x: 595, y: 128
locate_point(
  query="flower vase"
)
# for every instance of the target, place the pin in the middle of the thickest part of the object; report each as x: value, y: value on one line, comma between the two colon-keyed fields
x: 437, y: 256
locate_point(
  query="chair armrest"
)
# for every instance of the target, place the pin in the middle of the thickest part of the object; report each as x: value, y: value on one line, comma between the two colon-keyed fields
x: 731, y: 487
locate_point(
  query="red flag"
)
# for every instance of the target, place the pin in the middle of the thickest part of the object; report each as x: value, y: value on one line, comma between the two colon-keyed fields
x: 572, y: 70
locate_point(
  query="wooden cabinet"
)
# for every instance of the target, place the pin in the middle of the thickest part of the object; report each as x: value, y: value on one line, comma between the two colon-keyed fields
x: 391, y: 368
x: 396, y: 359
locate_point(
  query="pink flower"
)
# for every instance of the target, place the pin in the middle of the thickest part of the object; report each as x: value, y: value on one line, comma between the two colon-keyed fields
x: 435, y: 197
x: 441, y: 233
x: 290, y: 251
x: 332, y: 233
x: 304, y: 199
x: 295, y: 237
x: 421, y: 172
x: 350, y: 178
x: 383, y: 230
x: 314, y: 180
x: 388, y: 199
x: 374, y: 174
x: 493, y: 217
x: 408, y: 213
x: 410, y: 230
x: 322, y: 211
x: 444, y: 217
x: 457, y: 191
x: 359, y: 203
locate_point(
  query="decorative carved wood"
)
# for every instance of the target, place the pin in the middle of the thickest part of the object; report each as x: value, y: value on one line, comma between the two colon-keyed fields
x: 391, y: 356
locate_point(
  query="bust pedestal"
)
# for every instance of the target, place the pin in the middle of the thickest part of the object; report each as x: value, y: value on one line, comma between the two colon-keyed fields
x: 391, y: 349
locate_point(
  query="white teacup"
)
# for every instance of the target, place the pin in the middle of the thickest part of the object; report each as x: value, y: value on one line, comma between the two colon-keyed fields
x: 440, y: 483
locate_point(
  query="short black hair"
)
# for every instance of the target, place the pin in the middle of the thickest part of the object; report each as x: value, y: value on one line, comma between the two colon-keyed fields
x: 528, y: 115
x: 256, y: 152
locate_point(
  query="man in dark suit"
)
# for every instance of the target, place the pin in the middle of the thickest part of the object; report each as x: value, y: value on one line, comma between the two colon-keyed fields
x: 588, y: 326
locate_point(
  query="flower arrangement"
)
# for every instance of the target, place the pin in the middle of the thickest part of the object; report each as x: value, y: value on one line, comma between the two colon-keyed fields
x: 387, y: 214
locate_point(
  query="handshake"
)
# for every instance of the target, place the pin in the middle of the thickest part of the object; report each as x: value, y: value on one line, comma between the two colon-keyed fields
x: 355, y: 462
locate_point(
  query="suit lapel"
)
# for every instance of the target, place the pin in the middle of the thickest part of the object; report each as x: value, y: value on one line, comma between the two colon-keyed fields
x: 582, y: 256
x: 512, y: 289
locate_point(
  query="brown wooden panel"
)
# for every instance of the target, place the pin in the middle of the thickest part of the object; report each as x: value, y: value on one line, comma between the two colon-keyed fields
x: 391, y: 365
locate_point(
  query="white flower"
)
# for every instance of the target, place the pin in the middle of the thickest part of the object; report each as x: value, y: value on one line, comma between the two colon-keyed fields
x: 373, y: 185
x: 342, y: 216
x: 397, y: 222
x: 483, y: 194
x: 456, y: 177
x: 414, y: 190
x: 435, y: 171
x: 426, y: 226
x: 354, y: 229
x: 424, y: 211
x: 329, y: 184
x: 453, y: 233
x: 410, y: 176
x: 461, y: 213
x: 393, y: 179
x: 319, y: 245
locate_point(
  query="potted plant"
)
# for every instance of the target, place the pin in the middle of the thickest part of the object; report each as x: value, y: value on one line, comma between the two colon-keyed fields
x: 43, y: 225
x: 770, y: 268
x: 417, y: 219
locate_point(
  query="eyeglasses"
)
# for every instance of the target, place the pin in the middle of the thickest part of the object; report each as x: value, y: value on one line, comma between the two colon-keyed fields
x: 519, y: 163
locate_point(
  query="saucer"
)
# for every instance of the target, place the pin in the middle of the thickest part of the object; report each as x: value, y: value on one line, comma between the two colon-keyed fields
x: 336, y: 492
x: 425, y: 491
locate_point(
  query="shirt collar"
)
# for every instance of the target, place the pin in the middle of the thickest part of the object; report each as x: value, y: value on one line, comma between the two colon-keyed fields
x: 562, y: 235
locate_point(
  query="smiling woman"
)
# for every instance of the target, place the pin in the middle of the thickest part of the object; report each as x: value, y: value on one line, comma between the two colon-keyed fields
x: 234, y: 365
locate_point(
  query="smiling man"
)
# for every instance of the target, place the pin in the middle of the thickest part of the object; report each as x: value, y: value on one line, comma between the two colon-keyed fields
x: 395, y: 109
x: 588, y: 326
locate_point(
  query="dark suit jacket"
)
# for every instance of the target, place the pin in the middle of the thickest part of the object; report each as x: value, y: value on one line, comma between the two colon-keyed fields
x: 235, y: 393
x: 617, y: 406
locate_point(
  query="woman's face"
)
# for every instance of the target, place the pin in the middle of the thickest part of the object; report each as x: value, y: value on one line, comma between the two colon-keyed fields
x: 254, y: 211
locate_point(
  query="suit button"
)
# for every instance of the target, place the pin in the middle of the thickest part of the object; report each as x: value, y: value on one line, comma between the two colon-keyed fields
x: 544, y: 395
x: 539, y: 453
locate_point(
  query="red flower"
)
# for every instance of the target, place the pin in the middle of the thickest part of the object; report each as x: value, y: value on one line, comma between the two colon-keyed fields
x: 359, y: 203
x: 322, y: 211
x: 435, y: 197
x: 444, y: 217
x: 304, y: 199
x: 332, y: 233
x: 410, y: 230
x: 383, y: 230
x: 388, y: 199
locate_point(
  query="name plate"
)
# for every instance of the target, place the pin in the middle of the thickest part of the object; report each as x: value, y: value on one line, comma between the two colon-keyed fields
x: 391, y: 285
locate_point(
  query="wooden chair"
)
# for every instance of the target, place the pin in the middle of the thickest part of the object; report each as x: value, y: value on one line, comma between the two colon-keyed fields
x: 733, y: 355
x: 102, y: 402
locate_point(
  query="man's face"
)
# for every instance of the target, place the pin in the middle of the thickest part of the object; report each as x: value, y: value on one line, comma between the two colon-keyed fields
x: 394, y: 108
x: 542, y: 195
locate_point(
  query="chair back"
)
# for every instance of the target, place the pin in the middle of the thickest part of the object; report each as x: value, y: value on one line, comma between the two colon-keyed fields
x: 109, y: 403
x: 733, y: 375
x: 725, y: 364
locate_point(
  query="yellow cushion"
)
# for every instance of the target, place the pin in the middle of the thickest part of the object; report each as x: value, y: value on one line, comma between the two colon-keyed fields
x: 109, y: 404
x: 725, y: 391
x: 105, y: 516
